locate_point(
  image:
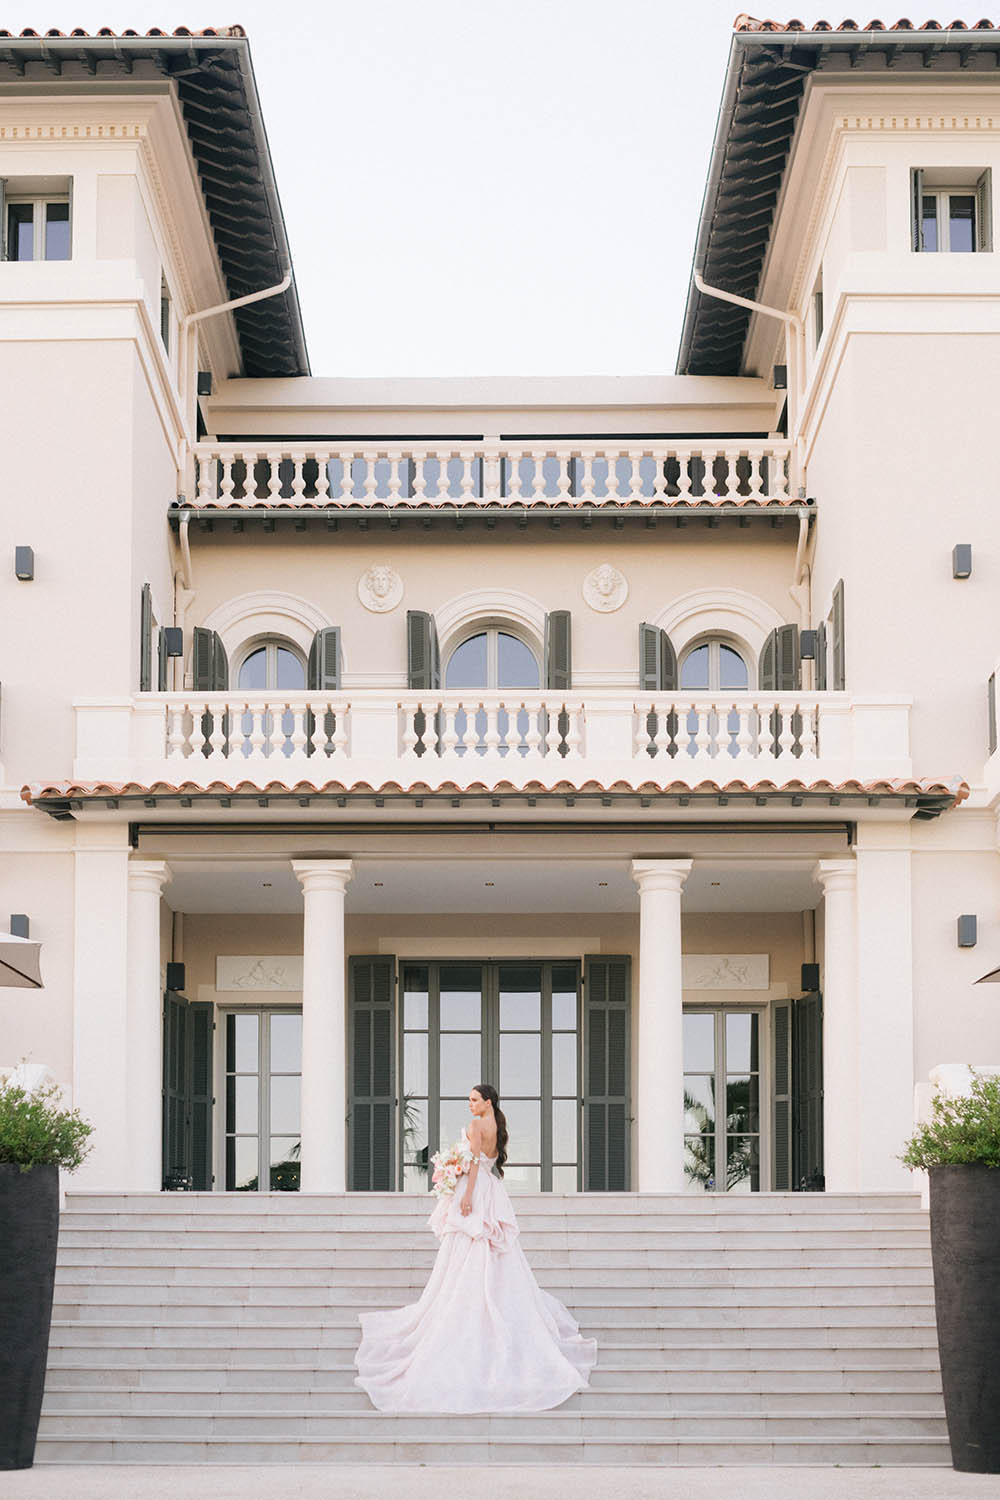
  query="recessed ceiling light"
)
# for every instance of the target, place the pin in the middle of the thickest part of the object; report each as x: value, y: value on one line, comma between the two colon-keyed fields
x: 602, y: 882
x: 379, y: 882
x: 489, y: 882
x: 266, y: 884
x: 715, y: 882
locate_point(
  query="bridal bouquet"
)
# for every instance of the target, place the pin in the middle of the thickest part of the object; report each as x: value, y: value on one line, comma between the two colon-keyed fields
x: 449, y: 1166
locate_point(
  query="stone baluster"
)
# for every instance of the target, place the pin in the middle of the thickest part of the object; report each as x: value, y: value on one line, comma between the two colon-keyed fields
x: 449, y: 738
x: 683, y: 457
x: 574, y: 730
x: 206, y: 477
x: 347, y: 478
x: 703, y: 733
x: 611, y: 483
x: 514, y: 456
x: 553, y: 734
x: 298, y: 476
x: 258, y: 715
x: 564, y: 484
x: 786, y: 736
x: 745, y: 730
x: 274, y: 477
x: 661, y: 738
x: 299, y: 736
x: 538, y: 457
x: 338, y: 739
x: 226, y: 485
x: 587, y: 483
x: 468, y: 479
x: 370, y: 461
x: 176, y: 713
x: 491, y: 739
x: 410, y: 738
x: 419, y: 475
x: 808, y: 739
x: 322, y: 478
x: 533, y: 734
x: 635, y: 463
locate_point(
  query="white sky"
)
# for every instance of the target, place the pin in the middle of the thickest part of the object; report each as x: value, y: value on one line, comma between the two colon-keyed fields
x: 493, y: 187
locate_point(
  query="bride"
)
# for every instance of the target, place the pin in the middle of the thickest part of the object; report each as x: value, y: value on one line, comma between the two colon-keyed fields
x: 483, y: 1337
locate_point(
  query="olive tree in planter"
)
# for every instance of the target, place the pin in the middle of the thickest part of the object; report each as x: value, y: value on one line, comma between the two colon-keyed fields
x: 959, y: 1148
x: 37, y: 1137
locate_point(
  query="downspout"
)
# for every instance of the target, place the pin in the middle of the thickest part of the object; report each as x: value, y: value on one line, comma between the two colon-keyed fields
x: 796, y: 349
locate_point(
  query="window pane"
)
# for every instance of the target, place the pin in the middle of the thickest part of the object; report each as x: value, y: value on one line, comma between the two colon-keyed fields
x: 961, y: 221
x: 564, y: 1119
x: 414, y: 1127
x: 564, y: 1179
x: 415, y: 1062
x: 694, y: 671
x: 699, y: 1042
x: 241, y: 1043
x: 454, y: 1116
x: 520, y: 1063
x: 291, y: 672
x: 21, y: 231
x: 699, y: 1103
x: 732, y: 669
x: 741, y: 1043
x: 414, y: 1179
x: 285, y: 1103
x: 928, y: 224
x: 743, y: 1103
x: 467, y: 667
x: 564, y: 1062
x: 523, y: 1179
x: 524, y: 1123
x: 742, y: 1164
x: 461, y: 1000
x: 520, y: 998
x: 253, y: 673
x: 57, y: 231
x: 461, y: 1065
x: 415, y: 998
x: 563, y: 998
x: 286, y: 1044
x: 241, y: 1104
x: 241, y: 1163
x: 516, y: 664
x: 699, y: 1163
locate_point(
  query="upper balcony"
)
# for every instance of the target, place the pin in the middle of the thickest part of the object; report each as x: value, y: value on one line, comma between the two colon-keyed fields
x: 539, y: 475
x: 596, y: 750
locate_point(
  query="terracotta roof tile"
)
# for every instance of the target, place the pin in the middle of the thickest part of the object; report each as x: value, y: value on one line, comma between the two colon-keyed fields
x: 547, y: 503
x: 106, y: 31
x: 750, y: 23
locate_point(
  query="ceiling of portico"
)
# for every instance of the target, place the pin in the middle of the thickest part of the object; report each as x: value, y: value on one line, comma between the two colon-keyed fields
x: 498, y: 884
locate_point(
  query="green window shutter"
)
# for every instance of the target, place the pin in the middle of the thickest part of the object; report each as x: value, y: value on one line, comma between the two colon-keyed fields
x: 917, y: 208
x: 821, y: 657
x: 201, y: 1028
x: 984, y: 212
x: 807, y: 1094
x: 220, y: 664
x: 558, y: 651
x: 788, y: 668
x: 371, y: 1081
x: 323, y: 672
x: 162, y: 661
x: 649, y: 658
x: 767, y: 669
x: 209, y: 666
x: 606, y: 1074
x: 187, y: 1092
x: 669, y: 678
x: 423, y: 659
x: 782, y: 1070
x: 991, y: 710
x: 145, y: 640
x: 838, y: 668
x: 175, y: 1100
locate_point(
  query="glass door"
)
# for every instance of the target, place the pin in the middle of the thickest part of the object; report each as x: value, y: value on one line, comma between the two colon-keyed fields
x: 722, y: 1089
x: 513, y: 1024
x: 263, y: 1076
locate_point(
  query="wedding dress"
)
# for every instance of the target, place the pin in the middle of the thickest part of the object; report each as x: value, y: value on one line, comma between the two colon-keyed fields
x: 484, y: 1336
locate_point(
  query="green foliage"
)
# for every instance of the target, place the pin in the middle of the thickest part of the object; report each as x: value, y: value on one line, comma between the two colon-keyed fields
x: 962, y: 1130
x: 35, y: 1132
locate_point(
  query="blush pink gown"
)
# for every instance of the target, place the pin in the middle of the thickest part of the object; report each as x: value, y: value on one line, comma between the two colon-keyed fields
x: 484, y: 1336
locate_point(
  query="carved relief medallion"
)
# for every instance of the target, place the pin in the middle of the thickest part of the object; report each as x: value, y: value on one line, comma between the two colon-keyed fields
x: 381, y: 588
x: 605, y: 589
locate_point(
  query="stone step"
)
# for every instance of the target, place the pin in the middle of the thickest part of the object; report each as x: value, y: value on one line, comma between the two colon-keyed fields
x: 460, y: 1450
x: 782, y: 1204
x: 375, y: 1425
x: 635, y: 1398
x: 885, y: 1379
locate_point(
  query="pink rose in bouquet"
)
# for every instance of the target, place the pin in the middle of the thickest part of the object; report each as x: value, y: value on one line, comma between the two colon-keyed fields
x: 449, y: 1166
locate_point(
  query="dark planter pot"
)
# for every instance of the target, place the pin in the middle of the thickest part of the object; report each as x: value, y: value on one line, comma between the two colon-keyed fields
x: 29, y: 1228
x: 965, y: 1245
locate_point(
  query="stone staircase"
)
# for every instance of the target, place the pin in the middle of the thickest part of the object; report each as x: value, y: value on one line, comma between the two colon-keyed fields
x: 221, y: 1328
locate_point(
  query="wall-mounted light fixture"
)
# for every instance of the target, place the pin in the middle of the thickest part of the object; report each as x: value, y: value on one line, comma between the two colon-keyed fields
x: 780, y: 379
x: 173, y: 640
x: 961, y: 560
x: 967, y: 931
x: 19, y: 925
x: 24, y: 563
x: 204, y: 382
x: 809, y: 979
x: 807, y: 645
x: 175, y: 978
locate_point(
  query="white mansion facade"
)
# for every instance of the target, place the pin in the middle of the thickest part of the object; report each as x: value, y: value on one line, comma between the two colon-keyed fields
x: 624, y: 742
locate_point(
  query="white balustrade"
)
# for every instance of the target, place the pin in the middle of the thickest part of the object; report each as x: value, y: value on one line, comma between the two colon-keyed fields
x: 729, y: 729
x: 250, y: 728
x: 457, y: 474
x: 491, y: 728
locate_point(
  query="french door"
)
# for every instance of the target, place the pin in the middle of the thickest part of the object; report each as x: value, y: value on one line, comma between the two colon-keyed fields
x: 723, y: 1085
x: 262, y: 1061
x: 515, y: 1024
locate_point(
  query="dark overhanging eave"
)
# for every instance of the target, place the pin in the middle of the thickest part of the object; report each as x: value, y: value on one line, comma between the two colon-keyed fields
x: 217, y: 93
x: 758, y: 117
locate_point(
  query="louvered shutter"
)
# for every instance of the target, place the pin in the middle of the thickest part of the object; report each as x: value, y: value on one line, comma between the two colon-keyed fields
x: 162, y: 661
x: 606, y: 1075
x: 175, y: 1051
x: 991, y: 710
x: 807, y: 1094
x: 145, y: 639
x: 423, y: 662
x: 917, y: 208
x: 821, y: 673
x: 220, y: 664
x: 767, y: 668
x: 201, y: 1027
x: 984, y: 212
x: 371, y: 1081
x: 209, y: 665
x: 558, y: 651
x: 649, y: 658
x: 782, y: 1069
x: 838, y: 665
x: 323, y: 672
x: 788, y: 670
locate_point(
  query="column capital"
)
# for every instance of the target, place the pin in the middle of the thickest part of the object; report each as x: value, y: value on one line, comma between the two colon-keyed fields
x: 836, y: 875
x: 323, y: 874
x: 661, y: 874
x: 149, y: 875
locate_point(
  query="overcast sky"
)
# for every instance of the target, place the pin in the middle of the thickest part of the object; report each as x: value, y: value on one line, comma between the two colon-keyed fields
x: 481, y: 186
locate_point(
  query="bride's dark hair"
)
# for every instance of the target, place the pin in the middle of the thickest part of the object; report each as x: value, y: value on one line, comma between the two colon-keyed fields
x: 487, y: 1091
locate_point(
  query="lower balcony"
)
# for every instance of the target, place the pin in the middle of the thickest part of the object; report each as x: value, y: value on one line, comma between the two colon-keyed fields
x: 600, y: 742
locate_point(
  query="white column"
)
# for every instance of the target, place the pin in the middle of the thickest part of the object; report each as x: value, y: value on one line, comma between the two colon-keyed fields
x: 100, y: 991
x: 324, y: 1025
x: 885, y: 1012
x: 144, y: 1088
x: 838, y: 878
x: 660, y: 1064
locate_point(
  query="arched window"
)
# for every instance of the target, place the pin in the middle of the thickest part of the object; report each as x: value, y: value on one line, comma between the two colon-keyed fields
x: 492, y: 659
x: 272, y: 664
x: 714, y: 664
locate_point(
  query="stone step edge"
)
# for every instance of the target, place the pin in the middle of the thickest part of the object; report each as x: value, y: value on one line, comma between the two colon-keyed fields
x: 617, y: 1369
x: 508, y: 1440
